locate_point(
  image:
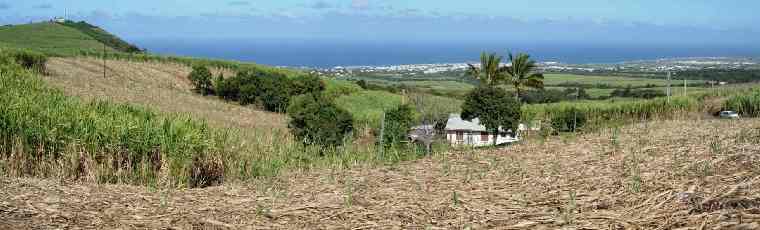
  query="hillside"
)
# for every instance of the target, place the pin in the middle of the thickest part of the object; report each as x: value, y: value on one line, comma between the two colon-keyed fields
x: 103, y: 36
x: 159, y: 85
x: 687, y: 174
x: 50, y: 38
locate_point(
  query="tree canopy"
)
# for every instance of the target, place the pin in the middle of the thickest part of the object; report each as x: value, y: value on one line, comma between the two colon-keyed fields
x: 494, y: 107
x: 316, y: 120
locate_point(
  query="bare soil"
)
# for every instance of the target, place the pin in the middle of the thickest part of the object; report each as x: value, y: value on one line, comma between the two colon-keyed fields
x: 690, y: 174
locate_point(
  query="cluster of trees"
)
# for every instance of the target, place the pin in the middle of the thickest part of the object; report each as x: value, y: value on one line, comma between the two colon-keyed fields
x: 637, y: 93
x: 315, y: 119
x: 271, y: 91
x: 542, y: 96
x: 726, y: 75
x: 599, y: 85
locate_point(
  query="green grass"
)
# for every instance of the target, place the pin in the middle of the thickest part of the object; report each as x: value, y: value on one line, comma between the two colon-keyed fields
x: 113, y: 142
x: 49, y: 38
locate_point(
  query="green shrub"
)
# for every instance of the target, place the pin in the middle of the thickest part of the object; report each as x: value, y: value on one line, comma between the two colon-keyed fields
x: 274, y: 92
x: 316, y: 120
x: 397, y: 124
x: 568, y: 120
x: 306, y: 84
x: 201, y: 78
x: 28, y: 59
x: 362, y: 83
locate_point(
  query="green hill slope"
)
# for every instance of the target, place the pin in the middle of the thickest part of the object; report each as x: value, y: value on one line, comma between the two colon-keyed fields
x: 103, y: 36
x: 58, y: 39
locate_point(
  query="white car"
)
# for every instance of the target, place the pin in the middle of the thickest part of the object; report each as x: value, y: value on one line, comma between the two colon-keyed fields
x: 729, y: 115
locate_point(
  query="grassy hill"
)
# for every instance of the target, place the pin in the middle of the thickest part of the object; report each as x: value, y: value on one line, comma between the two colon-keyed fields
x: 102, y: 36
x: 49, y: 38
x: 62, y: 39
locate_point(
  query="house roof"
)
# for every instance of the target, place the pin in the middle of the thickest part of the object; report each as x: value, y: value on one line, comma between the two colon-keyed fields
x: 456, y: 122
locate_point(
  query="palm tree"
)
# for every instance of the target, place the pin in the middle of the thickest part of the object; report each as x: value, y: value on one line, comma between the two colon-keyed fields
x: 488, y: 73
x: 522, y: 73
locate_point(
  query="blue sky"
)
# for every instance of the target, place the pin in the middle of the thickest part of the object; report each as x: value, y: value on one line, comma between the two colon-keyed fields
x: 603, y: 21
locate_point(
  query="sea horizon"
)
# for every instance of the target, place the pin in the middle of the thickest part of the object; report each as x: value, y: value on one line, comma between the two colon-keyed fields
x: 328, y: 54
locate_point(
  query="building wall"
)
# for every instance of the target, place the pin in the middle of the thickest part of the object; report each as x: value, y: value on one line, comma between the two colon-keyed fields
x: 469, y: 138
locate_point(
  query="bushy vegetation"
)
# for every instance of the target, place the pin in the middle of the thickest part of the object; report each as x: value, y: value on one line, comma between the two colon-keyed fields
x: 397, y: 124
x: 316, y: 120
x: 103, y: 37
x: 495, y: 108
x: 637, y: 93
x: 725, y: 75
x: 28, y: 59
x: 543, y: 96
x: 746, y: 104
x: 201, y: 78
x: 271, y: 91
x: 41, y: 129
x: 569, y: 119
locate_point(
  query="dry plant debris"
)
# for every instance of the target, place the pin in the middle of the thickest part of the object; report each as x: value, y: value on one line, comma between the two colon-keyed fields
x: 688, y: 174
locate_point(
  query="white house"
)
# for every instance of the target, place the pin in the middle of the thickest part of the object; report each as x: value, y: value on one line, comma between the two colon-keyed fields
x: 460, y: 132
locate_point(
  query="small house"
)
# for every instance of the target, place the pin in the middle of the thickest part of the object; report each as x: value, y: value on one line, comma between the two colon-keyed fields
x: 461, y: 132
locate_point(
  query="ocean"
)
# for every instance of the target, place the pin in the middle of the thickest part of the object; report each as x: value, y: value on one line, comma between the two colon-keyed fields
x: 326, y: 54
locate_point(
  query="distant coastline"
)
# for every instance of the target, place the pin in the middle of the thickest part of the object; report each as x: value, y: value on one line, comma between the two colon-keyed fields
x: 326, y: 54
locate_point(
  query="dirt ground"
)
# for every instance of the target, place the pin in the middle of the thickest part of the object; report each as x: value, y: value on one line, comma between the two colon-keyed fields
x: 691, y: 174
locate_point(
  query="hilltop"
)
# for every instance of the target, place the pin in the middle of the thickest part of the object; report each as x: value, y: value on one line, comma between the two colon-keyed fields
x: 62, y: 38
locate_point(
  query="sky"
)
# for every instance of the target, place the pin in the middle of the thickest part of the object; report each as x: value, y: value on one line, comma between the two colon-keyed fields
x: 733, y: 22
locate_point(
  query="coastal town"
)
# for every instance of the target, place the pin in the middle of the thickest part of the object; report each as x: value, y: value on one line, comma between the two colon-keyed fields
x: 642, y: 66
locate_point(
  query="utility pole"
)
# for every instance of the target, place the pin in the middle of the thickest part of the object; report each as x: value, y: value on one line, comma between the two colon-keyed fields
x: 382, y: 135
x: 668, y: 90
x: 575, y: 112
x: 684, y: 86
x: 104, y: 60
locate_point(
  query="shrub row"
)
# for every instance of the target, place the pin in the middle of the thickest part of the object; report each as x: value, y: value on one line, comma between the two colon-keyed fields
x: 272, y: 91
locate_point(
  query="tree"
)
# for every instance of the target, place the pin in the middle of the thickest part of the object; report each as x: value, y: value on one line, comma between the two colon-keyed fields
x: 316, y: 120
x: 273, y: 92
x: 495, y: 109
x: 521, y: 73
x: 201, y: 78
x: 397, y: 124
x: 362, y: 84
x: 219, y: 85
x: 307, y: 84
x: 489, y: 72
